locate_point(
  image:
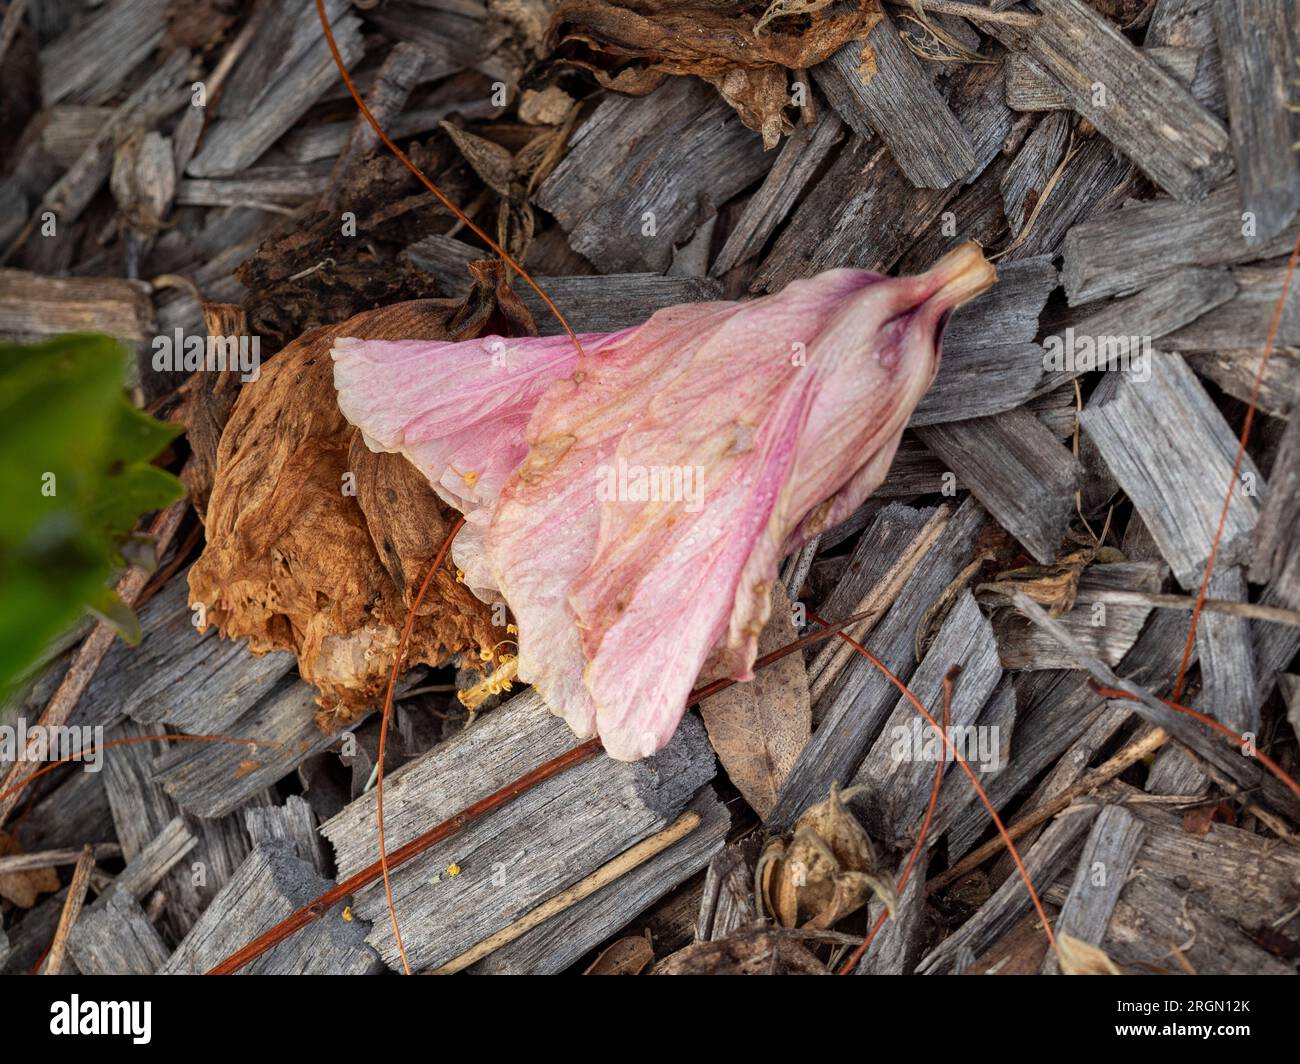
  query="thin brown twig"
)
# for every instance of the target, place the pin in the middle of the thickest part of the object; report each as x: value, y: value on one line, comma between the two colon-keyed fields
x: 71, y: 910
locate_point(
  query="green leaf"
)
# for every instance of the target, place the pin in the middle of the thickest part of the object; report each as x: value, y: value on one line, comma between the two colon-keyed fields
x: 75, y: 478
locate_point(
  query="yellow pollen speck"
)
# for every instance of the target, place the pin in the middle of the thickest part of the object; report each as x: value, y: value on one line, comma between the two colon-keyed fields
x: 511, y: 630
x: 460, y: 576
x: 470, y: 478
x: 347, y: 913
x: 453, y: 869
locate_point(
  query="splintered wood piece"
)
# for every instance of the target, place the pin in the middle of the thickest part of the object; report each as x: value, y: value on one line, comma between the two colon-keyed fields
x: 213, y: 779
x: 564, y: 938
x: 272, y: 882
x: 1095, y: 179
x: 232, y: 144
x: 147, y: 868
x: 1008, y: 312
x: 1257, y: 46
x: 640, y: 169
x: 142, y: 812
x: 1104, y: 867
x: 192, y: 683
x: 1132, y: 100
x: 1172, y: 452
x: 293, y: 824
x: 1121, y: 331
x: 1276, y: 558
x: 1031, y: 88
x: 1122, y: 251
x: 1029, y: 173
x: 33, y: 307
x: 89, y: 64
x: 727, y: 899
x: 1190, y: 24
x: 801, y: 156
x: 1044, y: 861
x: 881, y: 563
x: 1239, y: 329
x: 864, y: 212
x: 899, y: 766
x: 115, y: 937
x: 897, y: 947
x: 1018, y: 470
x: 164, y: 91
x: 1227, y: 652
x: 1108, y: 632
x: 879, y: 87
x: 462, y: 891
x: 1242, y: 771
x: 860, y: 698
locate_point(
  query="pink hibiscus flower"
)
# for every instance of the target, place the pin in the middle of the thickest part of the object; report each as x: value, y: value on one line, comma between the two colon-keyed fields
x: 632, y: 506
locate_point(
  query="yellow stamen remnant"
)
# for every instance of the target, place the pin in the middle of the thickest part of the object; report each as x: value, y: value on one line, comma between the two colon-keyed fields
x: 453, y: 869
x: 493, y: 684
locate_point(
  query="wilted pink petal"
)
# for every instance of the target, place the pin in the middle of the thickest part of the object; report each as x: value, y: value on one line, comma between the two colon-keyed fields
x: 457, y: 411
x: 764, y: 422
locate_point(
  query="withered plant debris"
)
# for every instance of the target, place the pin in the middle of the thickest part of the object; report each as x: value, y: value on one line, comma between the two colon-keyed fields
x: 755, y: 950
x: 321, y: 272
x: 745, y: 50
x: 826, y: 871
x: 1047, y: 475
x: 317, y: 545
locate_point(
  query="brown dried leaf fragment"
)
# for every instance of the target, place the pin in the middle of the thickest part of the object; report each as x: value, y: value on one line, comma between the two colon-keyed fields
x: 627, y: 956
x: 759, y: 728
x: 755, y: 950
x: 1077, y: 957
x: 315, y: 544
x: 23, y: 888
x: 743, y: 49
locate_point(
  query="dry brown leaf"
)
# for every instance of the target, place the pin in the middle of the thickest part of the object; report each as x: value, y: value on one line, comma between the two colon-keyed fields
x: 632, y: 45
x: 827, y: 870
x: 759, y: 728
x: 1197, y: 820
x: 23, y: 888
x: 316, y: 545
x: 547, y: 107
x: 628, y: 956
x: 755, y: 950
x: 1077, y: 957
x: 760, y: 97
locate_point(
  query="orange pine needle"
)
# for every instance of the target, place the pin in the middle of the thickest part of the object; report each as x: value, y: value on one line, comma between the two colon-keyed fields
x: 389, y: 143
x: 857, y: 955
x: 179, y: 737
x: 1209, y: 722
x: 983, y: 796
x: 1249, y: 420
x: 383, y: 728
